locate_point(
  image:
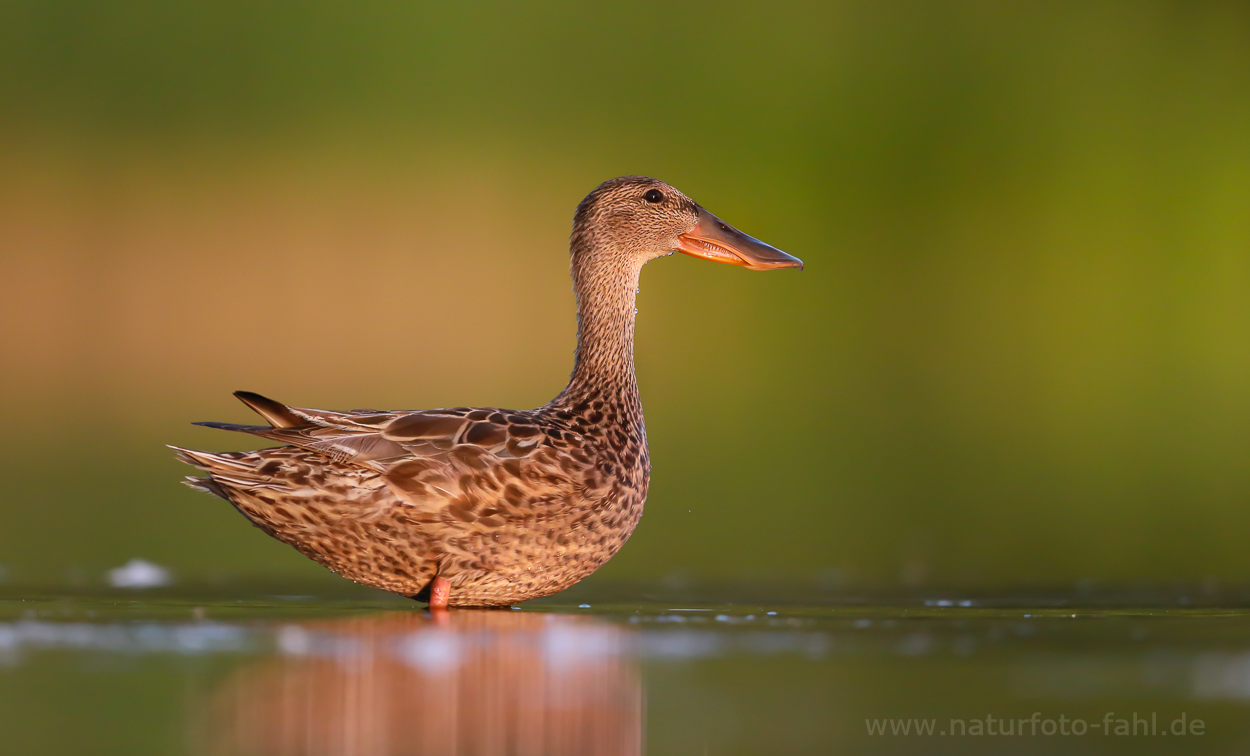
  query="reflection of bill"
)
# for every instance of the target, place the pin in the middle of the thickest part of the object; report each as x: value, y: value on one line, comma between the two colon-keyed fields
x: 478, y: 682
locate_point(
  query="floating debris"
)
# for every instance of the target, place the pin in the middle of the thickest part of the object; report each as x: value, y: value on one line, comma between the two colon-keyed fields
x: 138, y: 573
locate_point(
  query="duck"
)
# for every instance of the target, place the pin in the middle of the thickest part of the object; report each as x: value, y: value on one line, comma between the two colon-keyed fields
x: 481, y: 506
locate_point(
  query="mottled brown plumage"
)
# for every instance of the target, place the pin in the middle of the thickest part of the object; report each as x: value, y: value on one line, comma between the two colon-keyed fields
x: 506, y: 505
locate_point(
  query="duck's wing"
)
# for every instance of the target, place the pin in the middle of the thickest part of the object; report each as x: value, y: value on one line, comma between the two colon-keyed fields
x: 380, y: 440
x: 461, y: 463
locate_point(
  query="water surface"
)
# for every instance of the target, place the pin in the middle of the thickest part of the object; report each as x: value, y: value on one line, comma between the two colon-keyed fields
x: 268, y: 672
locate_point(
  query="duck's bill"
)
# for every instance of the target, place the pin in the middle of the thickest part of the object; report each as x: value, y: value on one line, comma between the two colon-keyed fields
x: 715, y: 240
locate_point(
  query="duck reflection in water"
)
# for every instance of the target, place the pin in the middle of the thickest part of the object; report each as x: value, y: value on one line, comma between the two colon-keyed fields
x: 502, y: 682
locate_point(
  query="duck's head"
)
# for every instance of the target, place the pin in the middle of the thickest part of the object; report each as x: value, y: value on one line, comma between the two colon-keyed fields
x: 643, y: 218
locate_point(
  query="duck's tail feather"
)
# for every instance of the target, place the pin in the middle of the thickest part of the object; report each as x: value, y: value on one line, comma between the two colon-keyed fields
x: 224, y: 468
x: 212, y: 461
x: 201, y: 461
x: 254, y: 429
x: 275, y: 413
x: 207, y: 485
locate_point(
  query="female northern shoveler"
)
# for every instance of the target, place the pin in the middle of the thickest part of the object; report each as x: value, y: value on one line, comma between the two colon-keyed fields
x: 482, y: 506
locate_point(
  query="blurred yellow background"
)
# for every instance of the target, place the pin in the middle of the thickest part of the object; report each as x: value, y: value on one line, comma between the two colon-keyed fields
x: 1019, y: 354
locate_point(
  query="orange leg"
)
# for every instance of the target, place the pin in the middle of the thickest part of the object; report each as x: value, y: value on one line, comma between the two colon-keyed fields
x: 440, y: 591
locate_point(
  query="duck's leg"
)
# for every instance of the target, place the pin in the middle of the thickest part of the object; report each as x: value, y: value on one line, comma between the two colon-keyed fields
x: 440, y: 592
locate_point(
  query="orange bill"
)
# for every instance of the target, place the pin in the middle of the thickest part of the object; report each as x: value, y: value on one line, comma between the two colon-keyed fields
x: 715, y: 240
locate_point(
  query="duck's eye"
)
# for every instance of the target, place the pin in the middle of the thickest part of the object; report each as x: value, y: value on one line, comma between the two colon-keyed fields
x: 654, y: 195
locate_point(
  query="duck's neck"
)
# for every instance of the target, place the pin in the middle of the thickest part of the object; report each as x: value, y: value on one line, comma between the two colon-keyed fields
x: 606, y: 284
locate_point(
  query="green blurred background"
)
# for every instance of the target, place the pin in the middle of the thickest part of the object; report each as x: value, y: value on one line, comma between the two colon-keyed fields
x: 1019, y: 354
